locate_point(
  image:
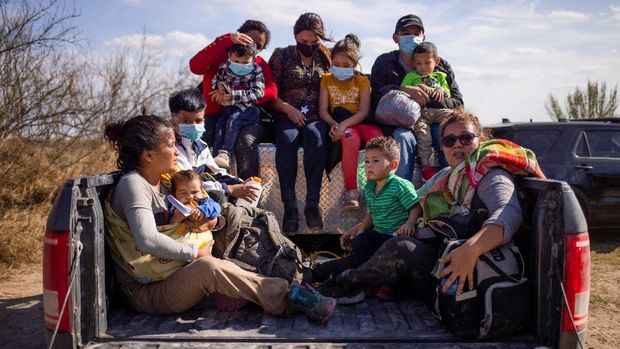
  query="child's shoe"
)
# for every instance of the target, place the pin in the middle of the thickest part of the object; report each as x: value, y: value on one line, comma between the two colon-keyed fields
x: 315, y: 305
x: 222, y: 159
x: 351, y: 200
x: 428, y: 171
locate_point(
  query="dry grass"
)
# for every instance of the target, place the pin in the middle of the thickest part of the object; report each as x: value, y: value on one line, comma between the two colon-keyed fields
x: 604, y: 315
x: 32, y: 173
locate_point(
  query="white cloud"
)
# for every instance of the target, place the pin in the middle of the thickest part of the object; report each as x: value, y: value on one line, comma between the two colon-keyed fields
x: 487, y: 74
x: 378, y: 45
x: 507, y: 56
x: 571, y: 16
x: 529, y: 51
x: 616, y: 11
x: 589, y: 69
x: 175, y: 44
x: 333, y: 12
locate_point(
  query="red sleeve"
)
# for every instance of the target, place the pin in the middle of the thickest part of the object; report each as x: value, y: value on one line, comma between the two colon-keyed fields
x: 210, y: 57
x: 271, y: 90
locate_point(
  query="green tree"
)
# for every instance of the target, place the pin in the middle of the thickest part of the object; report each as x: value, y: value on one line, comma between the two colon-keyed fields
x: 592, y: 103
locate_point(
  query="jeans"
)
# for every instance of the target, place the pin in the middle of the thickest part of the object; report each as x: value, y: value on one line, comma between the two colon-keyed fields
x: 230, y: 122
x: 288, y: 138
x: 406, y: 141
x: 246, y: 150
x: 209, y: 135
x: 367, y: 243
x: 436, y: 134
x: 363, y: 247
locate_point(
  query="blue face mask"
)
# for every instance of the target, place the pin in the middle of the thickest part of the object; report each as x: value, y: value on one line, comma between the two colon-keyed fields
x: 241, y: 69
x: 407, y: 43
x: 192, y: 131
x: 341, y: 73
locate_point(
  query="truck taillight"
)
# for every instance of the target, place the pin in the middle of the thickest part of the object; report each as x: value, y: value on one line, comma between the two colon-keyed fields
x: 576, y: 281
x: 56, y: 280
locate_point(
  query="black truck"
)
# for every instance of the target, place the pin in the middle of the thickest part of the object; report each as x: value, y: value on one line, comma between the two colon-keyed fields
x: 83, y: 310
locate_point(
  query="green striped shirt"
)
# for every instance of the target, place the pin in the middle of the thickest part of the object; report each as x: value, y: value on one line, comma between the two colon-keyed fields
x: 389, y: 208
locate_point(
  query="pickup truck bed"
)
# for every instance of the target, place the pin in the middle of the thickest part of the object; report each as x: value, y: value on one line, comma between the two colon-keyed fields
x: 554, y: 233
x: 372, y: 321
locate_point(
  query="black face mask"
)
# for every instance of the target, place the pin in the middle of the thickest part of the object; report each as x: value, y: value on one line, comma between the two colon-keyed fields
x: 307, y: 50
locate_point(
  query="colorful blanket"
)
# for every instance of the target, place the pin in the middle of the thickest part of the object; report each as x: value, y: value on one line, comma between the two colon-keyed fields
x: 453, y: 193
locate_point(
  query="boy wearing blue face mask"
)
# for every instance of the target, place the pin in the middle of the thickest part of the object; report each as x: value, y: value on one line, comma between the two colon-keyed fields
x: 188, y: 114
x: 387, y: 74
x: 238, y: 85
x: 344, y: 102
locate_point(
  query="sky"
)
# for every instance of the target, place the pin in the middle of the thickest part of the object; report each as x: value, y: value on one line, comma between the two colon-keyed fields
x: 508, y: 56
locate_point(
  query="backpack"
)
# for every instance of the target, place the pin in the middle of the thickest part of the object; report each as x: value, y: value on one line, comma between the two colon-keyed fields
x: 500, y: 302
x: 255, y: 243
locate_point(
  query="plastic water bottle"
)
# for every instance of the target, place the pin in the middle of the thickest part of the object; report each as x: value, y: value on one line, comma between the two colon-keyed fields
x: 254, y: 182
x: 451, y: 290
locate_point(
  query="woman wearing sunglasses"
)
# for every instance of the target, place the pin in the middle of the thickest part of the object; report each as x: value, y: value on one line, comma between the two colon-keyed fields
x: 475, y: 194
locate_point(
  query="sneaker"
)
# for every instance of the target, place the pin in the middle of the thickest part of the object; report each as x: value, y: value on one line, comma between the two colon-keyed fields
x: 222, y: 159
x: 427, y: 172
x: 313, y: 218
x: 290, y: 222
x: 315, y: 305
x: 340, y: 293
x: 351, y: 200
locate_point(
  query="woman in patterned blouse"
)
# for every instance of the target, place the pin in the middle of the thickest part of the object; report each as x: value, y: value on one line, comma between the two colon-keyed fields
x: 297, y: 70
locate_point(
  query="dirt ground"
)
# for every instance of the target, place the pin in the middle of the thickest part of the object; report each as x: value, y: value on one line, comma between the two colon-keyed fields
x: 21, y: 304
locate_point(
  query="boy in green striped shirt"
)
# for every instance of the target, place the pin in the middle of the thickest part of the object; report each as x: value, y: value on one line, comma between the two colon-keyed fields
x: 392, y: 205
x: 391, y: 202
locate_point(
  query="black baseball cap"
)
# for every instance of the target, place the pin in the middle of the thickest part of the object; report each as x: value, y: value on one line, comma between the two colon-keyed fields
x: 408, y: 20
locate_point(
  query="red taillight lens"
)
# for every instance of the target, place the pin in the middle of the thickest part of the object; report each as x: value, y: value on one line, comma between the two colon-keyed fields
x: 56, y: 280
x: 576, y: 280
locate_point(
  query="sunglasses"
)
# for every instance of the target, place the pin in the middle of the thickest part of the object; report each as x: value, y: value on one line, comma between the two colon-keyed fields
x: 464, y: 138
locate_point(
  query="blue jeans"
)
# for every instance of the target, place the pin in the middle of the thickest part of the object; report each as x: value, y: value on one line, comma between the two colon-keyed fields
x: 436, y: 135
x: 406, y: 141
x: 230, y: 122
x: 288, y: 138
x: 246, y: 150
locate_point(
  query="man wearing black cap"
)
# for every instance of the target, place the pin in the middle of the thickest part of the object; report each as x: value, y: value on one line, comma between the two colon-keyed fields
x: 388, y: 72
